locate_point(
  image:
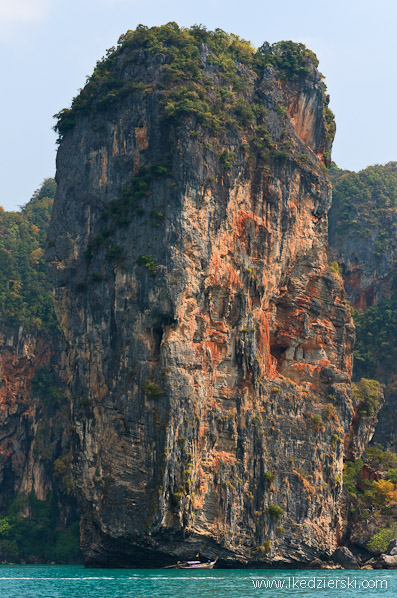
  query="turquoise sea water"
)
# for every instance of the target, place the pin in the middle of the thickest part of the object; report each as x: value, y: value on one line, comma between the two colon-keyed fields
x: 34, y: 581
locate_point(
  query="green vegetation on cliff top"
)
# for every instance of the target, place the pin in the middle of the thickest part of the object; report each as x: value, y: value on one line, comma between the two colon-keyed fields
x: 212, y: 78
x: 187, y: 88
x: 25, y: 293
x: 364, y: 203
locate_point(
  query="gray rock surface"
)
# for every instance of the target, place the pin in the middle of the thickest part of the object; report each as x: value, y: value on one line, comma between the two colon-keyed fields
x: 343, y: 556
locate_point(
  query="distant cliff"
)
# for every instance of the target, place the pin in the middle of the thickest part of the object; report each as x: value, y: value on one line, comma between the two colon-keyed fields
x: 363, y: 240
x: 38, y: 514
x: 363, y: 221
x: 363, y: 231
x: 208, y: 343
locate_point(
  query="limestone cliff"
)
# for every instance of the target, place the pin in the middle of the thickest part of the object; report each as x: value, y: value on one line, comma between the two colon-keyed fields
x: 34, y: 428
x: 208, y: 344
x: 37, y: 508
x: 362, y: 226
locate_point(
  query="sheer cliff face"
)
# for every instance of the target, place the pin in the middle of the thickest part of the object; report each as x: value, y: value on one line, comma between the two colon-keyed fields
x: 209, y: 346
x: 33, y: 428
x: 20, y: 355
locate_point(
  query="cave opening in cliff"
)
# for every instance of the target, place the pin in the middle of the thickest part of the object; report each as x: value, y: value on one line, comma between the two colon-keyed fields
x: 277, y: 351
x: 157, y: 335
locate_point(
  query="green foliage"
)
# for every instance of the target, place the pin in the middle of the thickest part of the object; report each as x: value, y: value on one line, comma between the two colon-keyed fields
x: 335, y: 439
x: 380, y: 541
x: 243, y: 112
x: 181, y: 81
x: 149, y: 262
x: 330, y: 124
x: 63, y: 471
x: 275, y: 512
x: 226, y: 158
x: 369, y: 394
x: 270, y: 477
x: 96, y: 242
x: 317, y: 422
x: 114, y: 253
x: 372, y: 497
x: 329, y: 412
x: 376, y: 337
x: 334, y: 268
x: 36, y: 535
x: 47, y: 388
x: 352, y: 476
x: 138, y: 185
x: 303, y: 159
x: 153, y: 390
x: 381, y: 459
x: 187, y: 89
x: 363, y: 203
x: 67, y: 544
x: 156, y: 217
x: 119, y: 211
x: 292, y: 60
x: 265, y: 548
x: 392, y: 475
x: 25, y: 293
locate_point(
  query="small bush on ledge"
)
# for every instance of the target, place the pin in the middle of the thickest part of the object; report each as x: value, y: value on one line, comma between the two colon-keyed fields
x: 275, y: 512
x: 149, y: 263
x: 369, y: 395
x: 153, y: 390
x: 317, y: 422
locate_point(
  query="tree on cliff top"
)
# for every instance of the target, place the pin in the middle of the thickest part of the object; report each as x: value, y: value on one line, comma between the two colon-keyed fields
x: 181, y: 50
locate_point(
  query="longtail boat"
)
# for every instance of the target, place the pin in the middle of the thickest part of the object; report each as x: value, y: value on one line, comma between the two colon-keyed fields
x: 192, y: 565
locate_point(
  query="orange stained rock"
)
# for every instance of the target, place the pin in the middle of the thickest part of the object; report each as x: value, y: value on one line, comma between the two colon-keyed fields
x: 304, y: 299
x: 227, y: 392
x: 217, y: 349
x: 302, y: 116
x: 216, y: 336
x: 234, y: 279
x: 220, y: 326
x: 223, y: 457
x: 298, y: 313
x: 215, y: 267
x: 263, y: 341
x: 141, y: 138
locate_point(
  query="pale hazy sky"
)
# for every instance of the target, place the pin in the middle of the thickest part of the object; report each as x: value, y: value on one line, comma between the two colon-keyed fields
x: 47, y: 47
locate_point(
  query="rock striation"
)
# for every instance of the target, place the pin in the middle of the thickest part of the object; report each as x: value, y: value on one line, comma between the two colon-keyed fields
x: 208, y: 343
